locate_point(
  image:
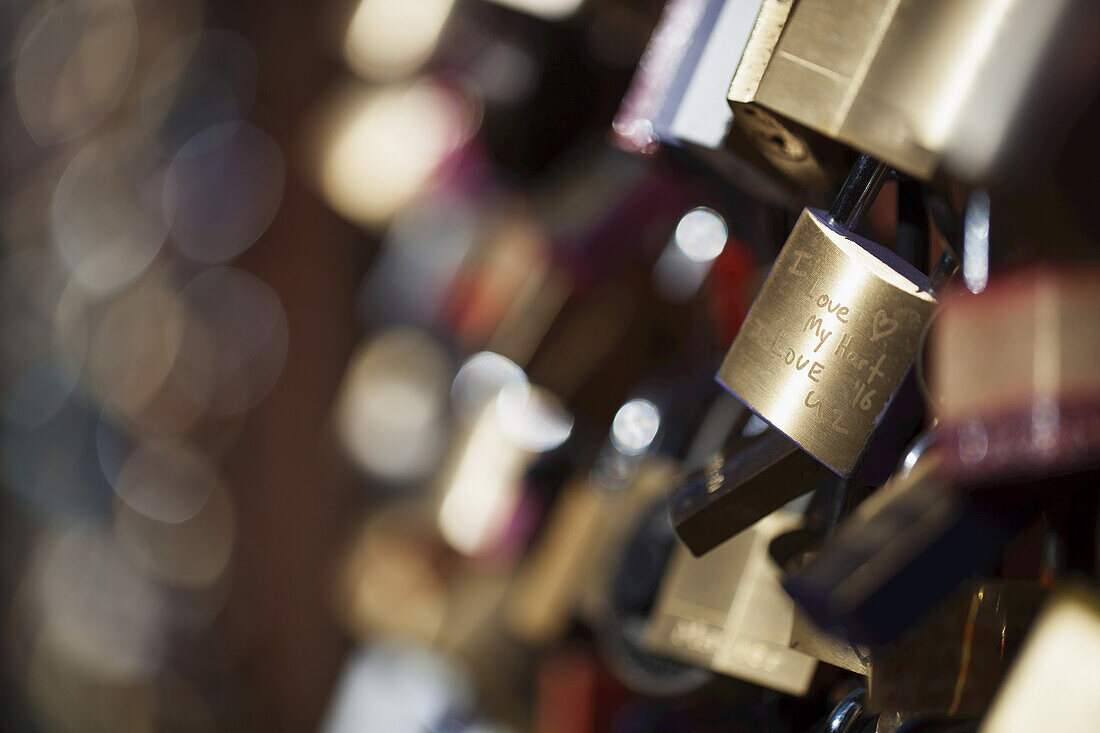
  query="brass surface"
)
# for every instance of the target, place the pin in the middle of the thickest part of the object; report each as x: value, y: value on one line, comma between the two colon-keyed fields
x: 727, y: 611
x: 786, y: 146
x: 893, y: 78
x: 759, y: 49
x: 827, y: 343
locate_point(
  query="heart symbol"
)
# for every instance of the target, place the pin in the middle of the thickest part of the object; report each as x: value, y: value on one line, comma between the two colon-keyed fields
x: 882, y: 326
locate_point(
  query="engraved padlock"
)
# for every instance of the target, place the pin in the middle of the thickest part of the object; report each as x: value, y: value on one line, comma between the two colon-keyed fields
x: 860, y: 342
x: 728, y: 612
x: 833, y: 332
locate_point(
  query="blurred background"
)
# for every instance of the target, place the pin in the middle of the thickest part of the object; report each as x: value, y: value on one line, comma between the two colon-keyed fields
x: 308, y: 311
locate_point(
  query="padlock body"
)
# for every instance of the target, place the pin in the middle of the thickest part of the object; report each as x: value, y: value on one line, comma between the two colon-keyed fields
x: 829, y: 340
x: 727, y: 611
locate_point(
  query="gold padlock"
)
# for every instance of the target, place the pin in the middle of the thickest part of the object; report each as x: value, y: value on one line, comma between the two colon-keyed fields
x: 829, y: 340
x: 727, y: 611
x: 912, y: 82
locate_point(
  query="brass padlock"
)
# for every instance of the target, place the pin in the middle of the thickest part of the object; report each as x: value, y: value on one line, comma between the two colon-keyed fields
x: 832, y: 334
x: 572, y: 558
x: 728, y: 612
x: 912, y: 82
x: 822, y: 355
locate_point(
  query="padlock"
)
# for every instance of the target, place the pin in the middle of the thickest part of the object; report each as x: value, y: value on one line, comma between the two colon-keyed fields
x: 833, y: 332
x: 1017, y: 391
x: 790, y: 550
x: 912, y: 82
x: 904, y: 549
x: 618, y: 604
x: 951, y: 662
x: 727, y: 611
x: 829, y: 370
x: 677, y: 98
x: 573, y: 557
x: 1053, y: 684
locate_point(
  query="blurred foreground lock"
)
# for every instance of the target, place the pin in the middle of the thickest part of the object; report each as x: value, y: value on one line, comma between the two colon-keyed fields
x: 905, y: 548
x: 1053, y: 684
x: 1015, y: 374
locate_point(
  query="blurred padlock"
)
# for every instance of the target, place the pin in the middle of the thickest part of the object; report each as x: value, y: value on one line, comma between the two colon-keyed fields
x: 630, y: 593
x: 952, y: 661
x: 809, y: 638
x: 901, y: 551
x: 573, y: 556
x: 916, y: 83
x: 728, y: 612
x: 1015, y: 377
x: 1053, y: 683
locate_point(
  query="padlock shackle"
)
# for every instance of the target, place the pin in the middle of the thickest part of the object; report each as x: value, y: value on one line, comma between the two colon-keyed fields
x: 859, y: 190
